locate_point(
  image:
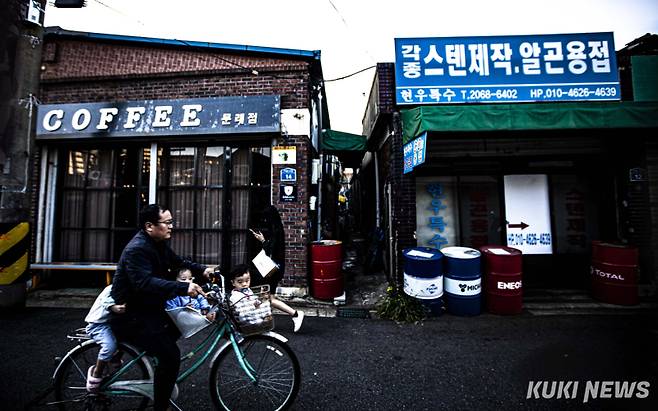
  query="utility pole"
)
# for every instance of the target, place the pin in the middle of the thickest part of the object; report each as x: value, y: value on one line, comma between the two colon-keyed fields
x: 21, y: 36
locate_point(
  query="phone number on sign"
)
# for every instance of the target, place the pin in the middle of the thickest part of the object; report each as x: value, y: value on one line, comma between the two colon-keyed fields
x: 487, y: 94
x: 574, y: 92
x: 529, y: 239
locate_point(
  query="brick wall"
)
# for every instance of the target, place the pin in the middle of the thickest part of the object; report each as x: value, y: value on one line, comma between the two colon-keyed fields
x: 295, y: 216
x: 74, y: 59
x: 92, y: 71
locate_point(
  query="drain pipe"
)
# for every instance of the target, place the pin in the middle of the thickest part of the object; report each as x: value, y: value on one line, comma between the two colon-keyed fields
x: 377, y: 205
x: 320, y: 176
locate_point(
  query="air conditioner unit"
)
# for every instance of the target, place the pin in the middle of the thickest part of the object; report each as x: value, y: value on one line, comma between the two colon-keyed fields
x: 70, y: 4
x: 33, y: 13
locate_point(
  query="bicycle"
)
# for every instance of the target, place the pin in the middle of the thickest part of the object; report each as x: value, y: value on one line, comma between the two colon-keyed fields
x: 263, y: 374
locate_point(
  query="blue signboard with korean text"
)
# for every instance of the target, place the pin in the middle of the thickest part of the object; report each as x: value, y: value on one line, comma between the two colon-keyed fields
x: 492, y: 69
x: 414, y: 153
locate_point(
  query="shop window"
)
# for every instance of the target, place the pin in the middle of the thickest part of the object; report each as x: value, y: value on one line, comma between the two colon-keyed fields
x: 193, y: 183
x: 99, y: 188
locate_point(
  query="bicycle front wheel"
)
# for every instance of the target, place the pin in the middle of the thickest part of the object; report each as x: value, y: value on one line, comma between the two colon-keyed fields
x: 70, y: 381
x: 273, y: 364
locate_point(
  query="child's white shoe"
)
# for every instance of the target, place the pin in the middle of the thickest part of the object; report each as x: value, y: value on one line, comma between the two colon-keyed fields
x: 297, y: 320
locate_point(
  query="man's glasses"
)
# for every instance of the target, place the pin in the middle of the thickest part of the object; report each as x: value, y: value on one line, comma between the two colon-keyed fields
x: 168, y: 222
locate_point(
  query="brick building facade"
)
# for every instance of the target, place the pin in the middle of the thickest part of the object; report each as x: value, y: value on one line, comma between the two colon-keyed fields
x: 86, y: 68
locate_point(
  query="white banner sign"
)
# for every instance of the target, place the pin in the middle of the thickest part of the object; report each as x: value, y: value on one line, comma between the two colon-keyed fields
x: 528, y: 214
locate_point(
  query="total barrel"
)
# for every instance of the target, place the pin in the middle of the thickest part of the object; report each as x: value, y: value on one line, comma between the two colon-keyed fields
x: 503, y: 285
x: 326, y: 265
x: 462, y: 280
x: 614, y: 273
x: 423, y: 277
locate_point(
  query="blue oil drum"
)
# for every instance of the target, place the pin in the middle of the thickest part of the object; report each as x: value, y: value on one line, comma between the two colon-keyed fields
x: 423, y: 277
x: 423, y: 262
x: 462, y: 281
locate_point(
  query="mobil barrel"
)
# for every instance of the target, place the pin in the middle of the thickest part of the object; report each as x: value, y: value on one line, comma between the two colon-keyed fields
x: 503, y: 286
x: 462, y: 280
x: 326, y: 265
x: 423, y: 277
x: 614, y: 273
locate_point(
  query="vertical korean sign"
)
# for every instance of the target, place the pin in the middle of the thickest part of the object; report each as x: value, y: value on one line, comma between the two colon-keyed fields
x: 436, y: 222
x: 493, y: 69
x: 414, y: 153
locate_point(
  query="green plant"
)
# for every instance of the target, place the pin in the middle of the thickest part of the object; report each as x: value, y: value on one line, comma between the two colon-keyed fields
x: 399, y: 307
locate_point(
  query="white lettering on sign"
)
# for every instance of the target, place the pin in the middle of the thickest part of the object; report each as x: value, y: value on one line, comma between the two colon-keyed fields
x: 134, y: 115
x: 162, y: 114
x: 603, y: 274
x: 512, y: 285
x: 190, y: 115
x: 81, y: 119
x: 48, y: 125
x: 107, y: 114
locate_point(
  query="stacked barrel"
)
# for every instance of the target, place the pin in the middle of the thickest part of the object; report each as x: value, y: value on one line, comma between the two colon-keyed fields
x: 462, y: 280
x: 423, y: 276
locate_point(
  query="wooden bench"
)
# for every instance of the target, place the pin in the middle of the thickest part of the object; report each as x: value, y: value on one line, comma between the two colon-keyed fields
x: 108, y: 268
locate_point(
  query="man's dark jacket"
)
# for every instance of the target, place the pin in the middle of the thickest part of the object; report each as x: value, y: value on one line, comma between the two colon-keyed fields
x: 146, y: 276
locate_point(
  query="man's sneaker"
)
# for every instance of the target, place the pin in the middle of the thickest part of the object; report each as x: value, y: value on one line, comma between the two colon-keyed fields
x: 93, y: 383
x: 297, y: 320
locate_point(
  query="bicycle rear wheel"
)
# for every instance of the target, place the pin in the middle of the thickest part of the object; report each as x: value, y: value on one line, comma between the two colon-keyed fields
x: 276, y: 369
x: 71, y: 377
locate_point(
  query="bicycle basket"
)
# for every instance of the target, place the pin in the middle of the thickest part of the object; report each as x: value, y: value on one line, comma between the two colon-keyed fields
x: 252, y: 310
x: 188, y: 320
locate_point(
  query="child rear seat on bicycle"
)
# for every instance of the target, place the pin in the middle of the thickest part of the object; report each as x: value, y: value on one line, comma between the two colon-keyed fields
x: 99, y: 330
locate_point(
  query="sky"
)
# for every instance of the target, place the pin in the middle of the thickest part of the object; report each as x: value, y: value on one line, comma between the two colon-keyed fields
x: 354, y: 34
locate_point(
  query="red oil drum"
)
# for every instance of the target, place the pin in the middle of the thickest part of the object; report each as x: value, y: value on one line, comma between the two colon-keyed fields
x: 614, y: 273
x: 326, y: 265
x: 503, y: 282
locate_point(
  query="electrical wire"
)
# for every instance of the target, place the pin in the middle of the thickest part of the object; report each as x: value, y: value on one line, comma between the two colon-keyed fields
x: 120, y: 12
x: 351, y: 74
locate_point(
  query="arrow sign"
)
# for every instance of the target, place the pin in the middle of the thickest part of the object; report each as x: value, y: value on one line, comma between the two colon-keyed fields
x: 522, y: 225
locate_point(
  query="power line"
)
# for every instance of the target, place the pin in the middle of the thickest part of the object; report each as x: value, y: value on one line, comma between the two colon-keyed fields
x: 349, y: 29
x: 350, y: 75
x: 120, y: 12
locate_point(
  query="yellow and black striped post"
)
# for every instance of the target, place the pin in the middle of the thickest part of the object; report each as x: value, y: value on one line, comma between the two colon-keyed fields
x: 14, y: 262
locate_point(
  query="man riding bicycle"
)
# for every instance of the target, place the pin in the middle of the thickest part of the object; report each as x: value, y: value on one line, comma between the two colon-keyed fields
x: 145, y: 280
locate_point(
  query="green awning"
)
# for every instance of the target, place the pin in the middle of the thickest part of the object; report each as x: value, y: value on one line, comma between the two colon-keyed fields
x: 333, y: 140
x: 349, y: 148
x: 533, y: 116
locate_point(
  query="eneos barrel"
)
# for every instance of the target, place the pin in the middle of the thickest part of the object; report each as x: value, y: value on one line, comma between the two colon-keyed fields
x: 326, y: 269
x: 503, y: 285
x: 614, y: 273
x: 423, y: 277
x: 462, y: 280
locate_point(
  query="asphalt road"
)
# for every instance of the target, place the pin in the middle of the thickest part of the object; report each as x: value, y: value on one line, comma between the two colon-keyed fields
x: 447, y: 363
